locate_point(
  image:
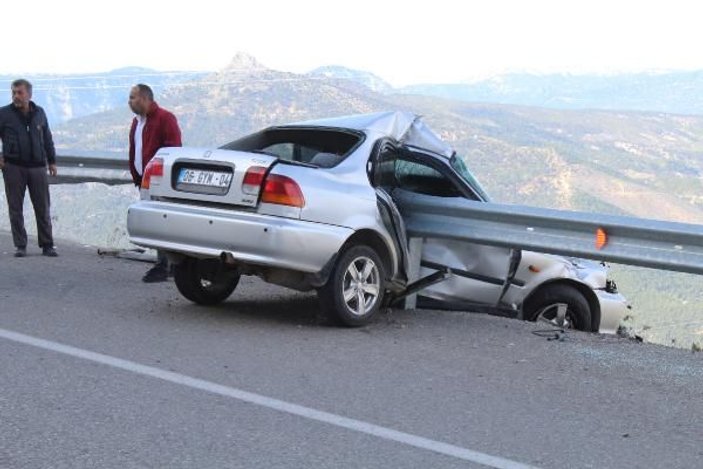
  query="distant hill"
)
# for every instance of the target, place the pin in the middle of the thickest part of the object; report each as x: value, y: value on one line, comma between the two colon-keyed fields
x: 240, y: 98
x: 674, y: 92
x: 65, y: 97
x: 368, y: 79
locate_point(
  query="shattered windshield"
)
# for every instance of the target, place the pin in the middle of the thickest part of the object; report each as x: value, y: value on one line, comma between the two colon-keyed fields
x: 461, y: 169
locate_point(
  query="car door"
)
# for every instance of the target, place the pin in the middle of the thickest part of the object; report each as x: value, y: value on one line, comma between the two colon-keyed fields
x: 378, y: 170
x: 479, y: 272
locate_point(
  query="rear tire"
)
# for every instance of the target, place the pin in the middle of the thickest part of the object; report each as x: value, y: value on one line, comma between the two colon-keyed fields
x: 205, y: 281
x: 354, y: 292
x: 559, y: 306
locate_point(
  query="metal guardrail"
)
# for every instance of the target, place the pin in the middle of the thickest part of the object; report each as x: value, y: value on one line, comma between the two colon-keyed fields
x: 626, y: 240
x: 76, y: 169
x: 92, y: 162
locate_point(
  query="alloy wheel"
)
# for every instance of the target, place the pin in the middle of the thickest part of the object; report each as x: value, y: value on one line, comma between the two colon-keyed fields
x: 361, y: 286
x: 556, y: 314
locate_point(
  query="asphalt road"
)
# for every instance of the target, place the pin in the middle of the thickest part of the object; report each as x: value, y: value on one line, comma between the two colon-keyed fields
x: 100, y: 370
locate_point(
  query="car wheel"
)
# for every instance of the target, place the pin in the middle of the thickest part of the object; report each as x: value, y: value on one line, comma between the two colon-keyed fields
x: 353, y: 294
x: 560, y: 306
x: 205, y: 281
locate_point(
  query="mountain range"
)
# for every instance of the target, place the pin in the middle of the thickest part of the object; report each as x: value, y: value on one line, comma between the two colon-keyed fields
x: 640, y: 163
x: 671, y: 92
x: 65, y: 97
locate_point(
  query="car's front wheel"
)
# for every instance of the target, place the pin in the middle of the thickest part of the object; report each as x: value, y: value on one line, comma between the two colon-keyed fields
x: 353, y: 294
x: 561, y: 306
x: 205, y: 281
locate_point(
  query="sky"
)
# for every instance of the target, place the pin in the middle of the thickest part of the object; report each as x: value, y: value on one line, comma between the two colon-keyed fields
x: 403, y: 42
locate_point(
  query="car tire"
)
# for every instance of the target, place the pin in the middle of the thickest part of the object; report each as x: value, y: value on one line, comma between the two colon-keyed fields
x: 354, y: 291
x: 560, y: 306
x: 205, y: 281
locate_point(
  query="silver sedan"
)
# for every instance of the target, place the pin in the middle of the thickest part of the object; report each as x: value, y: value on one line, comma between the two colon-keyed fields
x: 318, y: 205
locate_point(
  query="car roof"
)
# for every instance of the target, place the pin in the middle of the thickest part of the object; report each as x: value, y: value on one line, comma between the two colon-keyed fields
x: 404, y: 127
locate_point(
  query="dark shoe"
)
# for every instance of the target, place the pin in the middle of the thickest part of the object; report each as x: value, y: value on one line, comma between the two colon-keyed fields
x: 49, y: 252
x: 155, y: 274
x: 21, y: 252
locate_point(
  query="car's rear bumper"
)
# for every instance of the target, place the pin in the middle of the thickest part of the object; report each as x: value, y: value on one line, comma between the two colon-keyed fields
x: 250, y: 237
x: 613, y: 308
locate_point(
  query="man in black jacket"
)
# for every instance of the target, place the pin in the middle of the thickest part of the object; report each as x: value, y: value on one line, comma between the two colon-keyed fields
x: 27, y: 149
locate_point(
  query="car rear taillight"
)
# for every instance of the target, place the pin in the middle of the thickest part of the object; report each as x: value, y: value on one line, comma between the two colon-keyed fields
x: 155, y: 168
x: 253, y: 179
x: 282, y: 190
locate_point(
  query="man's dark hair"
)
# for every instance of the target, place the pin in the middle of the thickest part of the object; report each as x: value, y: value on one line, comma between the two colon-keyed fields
x: 145, y: 91
x: 22, y: 82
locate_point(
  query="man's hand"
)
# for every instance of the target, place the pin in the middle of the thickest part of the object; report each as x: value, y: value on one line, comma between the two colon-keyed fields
x: 52, y: 170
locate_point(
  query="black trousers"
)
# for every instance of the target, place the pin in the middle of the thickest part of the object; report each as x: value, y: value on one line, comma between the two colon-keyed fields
x: 17, y: 180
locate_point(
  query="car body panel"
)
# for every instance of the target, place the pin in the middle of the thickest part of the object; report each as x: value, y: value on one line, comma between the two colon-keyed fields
x: 613, y: 307
x: 487, y: 264
x: 249, y: 237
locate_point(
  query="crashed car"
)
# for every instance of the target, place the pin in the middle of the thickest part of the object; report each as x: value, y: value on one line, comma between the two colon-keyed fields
x: 318, y: 205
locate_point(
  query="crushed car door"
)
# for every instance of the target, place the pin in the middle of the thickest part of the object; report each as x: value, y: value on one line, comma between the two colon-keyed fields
x: 380, y: 168
x: 480, y: 273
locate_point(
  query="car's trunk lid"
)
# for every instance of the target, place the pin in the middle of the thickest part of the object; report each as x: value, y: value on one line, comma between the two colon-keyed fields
x: 211, y: 175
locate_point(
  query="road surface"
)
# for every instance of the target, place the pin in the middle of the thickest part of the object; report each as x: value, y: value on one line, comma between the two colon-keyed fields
x: 100, y: 370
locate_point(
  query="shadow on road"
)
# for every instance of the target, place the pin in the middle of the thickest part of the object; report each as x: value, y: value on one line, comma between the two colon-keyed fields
x: 281, y: 310
x: 295, y: 309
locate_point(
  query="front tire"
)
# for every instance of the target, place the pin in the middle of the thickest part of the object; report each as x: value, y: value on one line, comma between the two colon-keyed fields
x: 205, y: 281
x: 560, y: 306
x: 354, y: 292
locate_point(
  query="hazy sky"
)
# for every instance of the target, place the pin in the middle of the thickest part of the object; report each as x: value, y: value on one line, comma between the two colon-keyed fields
x: 401, y: 41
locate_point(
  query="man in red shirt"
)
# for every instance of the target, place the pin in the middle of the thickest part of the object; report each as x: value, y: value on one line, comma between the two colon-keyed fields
x: 152, y: 128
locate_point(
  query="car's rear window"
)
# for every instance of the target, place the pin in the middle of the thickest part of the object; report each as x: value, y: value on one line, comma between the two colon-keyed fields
x: 321, y: 147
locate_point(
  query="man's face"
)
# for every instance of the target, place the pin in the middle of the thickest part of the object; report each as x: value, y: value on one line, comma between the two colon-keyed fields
x: 20, y: 96
x: 137, y: 102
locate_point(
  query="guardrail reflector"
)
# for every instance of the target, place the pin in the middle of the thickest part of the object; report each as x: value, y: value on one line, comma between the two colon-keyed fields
x: 601, y: 238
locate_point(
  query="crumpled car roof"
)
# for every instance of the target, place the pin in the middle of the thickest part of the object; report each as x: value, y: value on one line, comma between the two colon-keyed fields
x: 405, y: 127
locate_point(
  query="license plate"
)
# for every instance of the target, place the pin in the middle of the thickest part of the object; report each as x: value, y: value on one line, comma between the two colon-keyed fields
x: 203, y: 177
